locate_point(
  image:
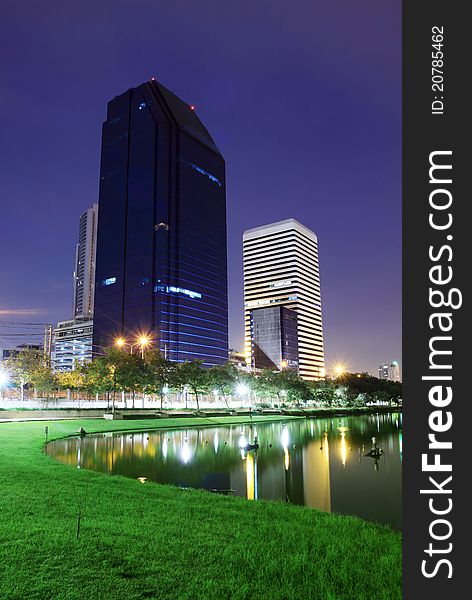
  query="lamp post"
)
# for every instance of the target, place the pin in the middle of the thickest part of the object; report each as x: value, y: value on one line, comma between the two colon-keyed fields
x: 242, y: 389
x: 143, y: 342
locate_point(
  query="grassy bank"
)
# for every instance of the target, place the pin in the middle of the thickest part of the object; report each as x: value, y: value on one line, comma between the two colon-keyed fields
x: 153, y: 541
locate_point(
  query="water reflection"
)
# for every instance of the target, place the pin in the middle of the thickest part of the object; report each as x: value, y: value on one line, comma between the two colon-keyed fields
x: 319, y: 463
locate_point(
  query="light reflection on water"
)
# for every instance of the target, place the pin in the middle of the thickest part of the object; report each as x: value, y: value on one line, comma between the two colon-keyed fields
x: 319, y: 463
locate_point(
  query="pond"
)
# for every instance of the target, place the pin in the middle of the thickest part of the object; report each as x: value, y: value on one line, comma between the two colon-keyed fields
x: 321, y: 463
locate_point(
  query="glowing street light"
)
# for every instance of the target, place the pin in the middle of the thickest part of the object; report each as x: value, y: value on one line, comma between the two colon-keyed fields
x: 143, y: 342
x: 120, y: 342
x: 242, y: 389
x: 4, y: 380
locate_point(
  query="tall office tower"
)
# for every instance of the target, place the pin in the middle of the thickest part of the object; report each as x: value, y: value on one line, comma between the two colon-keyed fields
x: 281, y: 269
x: 161, y: 248
x: 84, y: 272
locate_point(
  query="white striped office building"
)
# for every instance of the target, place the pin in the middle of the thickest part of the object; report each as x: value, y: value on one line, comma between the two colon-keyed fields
x: 281, y: 269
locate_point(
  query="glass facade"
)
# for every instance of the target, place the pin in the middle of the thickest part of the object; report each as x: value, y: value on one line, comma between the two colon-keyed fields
x: 274, y: 338
x: 161, y: 248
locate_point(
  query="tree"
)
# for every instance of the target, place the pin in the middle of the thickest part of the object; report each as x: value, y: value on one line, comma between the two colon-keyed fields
x: 177, y: 380
x: 71, y: 380
x: 323, y: 392
x: 107, y: 372
x: 97, y: 377
x: 296, y: 388
x: 285, y: 385
x: 195, y: 377
x: 24, y: 365
x: 372, y: 388
x: 263, y: 385
x: 222, y: 378
x: 160, y: 373
x: 132, y: 374
x: 44, y: 379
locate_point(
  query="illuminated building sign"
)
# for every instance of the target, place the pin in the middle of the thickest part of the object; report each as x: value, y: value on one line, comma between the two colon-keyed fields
x: 203, y: 172
x: 109, y: 281
x: 170, y: 289
x: 266, y: 301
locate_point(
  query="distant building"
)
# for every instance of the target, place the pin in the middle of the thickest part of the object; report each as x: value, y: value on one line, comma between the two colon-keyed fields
x: 72, y: 344
x: 274, y: 338
x: 161, y: 244
x: 281, y: 270
x: 390, y: 371
x: 72, y: 340
x: 6, y: 353
x: 84, y: 271
x: 237, y: 359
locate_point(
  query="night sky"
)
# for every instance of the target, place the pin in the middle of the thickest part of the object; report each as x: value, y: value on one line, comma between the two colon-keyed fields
x: 303, y: 98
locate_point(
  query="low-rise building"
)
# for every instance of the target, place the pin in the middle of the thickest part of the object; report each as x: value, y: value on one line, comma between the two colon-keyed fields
x: 237, y: 359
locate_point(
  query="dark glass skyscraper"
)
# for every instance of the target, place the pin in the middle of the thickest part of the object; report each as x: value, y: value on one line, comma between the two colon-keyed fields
x: 161, y: 247
x: 274, y: 338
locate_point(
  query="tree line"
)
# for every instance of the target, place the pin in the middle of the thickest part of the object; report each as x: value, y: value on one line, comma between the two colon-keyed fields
x: 117, y: 371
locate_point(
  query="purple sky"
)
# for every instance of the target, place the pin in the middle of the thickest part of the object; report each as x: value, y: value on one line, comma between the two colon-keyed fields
x: 302, y: 98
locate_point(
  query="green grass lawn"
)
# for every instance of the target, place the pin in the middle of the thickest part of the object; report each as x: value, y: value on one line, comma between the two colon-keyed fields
x: 156, y: 541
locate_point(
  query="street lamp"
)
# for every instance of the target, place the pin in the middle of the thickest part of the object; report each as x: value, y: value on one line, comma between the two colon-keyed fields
x: 242, y: 389
x: 339, y: 370
x: 120, y: 342
x: 143, y: 342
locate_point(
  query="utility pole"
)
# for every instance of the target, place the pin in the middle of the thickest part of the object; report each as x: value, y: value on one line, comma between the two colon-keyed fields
x: 47, y: 344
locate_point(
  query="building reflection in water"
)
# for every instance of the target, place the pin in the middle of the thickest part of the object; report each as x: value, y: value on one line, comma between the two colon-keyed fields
x: 343, y: 445
x: 185, y: 452
x: 303, y: 462
x: 316, y: 480
x: 164, y: 448
x: 285, y: 440
x: 251, y: 476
